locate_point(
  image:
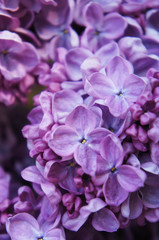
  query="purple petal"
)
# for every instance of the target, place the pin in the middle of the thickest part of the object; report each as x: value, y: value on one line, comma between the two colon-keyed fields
x: 118, y: 70
x: 152, y: 215
x: 90, y: 65
x: 118, y: 105
x: 55, y: 233
x: 52, y: 193
x: 134, y: 86
x: 150, y: 167
x: 155, y: 153
x: 44, y: 29
x: 68, y: 183
x: 64, y: 140
x: 130, y: 178
x: 31, y: 58
x: 113, y: 192
x: 74, y: 58
x: 7, y: 21
x: 93, y: 15
x: 150, y: 196
x: 144, y: 63
x: 100, y: 86
x: 107, y: 53
x: 64, y: 102
x: 96, y: 136
x: 55, y: 171
x: 153, y: 132
x: 132, y: 48
x: 86, y: 158
x: 45, y: 100
x: 52, y: 213
x: 113, y: 25
x: 132, y: 207
x: 105, y: 220
x: 90, y: 40
x: 67, y: 40
x: 35, y: 115
x: 32, y: 174
x: 111, y: 150
x: 10, y: 5
x: 82, y: 120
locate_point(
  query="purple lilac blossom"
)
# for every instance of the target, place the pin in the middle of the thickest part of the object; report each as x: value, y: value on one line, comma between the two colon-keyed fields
x: 12, y: 65
x: 25, y: 226
x: 119, y: 179
x: 93, y: 131
x: 118, y: 87
x: 81, y: 136
x: 101, y: 29
x: 49, y: 23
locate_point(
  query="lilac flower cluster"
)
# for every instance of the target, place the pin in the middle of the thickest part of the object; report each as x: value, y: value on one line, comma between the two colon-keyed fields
x: 94, y: 129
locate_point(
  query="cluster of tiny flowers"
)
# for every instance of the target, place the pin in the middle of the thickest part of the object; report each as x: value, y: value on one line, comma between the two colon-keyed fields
x: 93, y: 133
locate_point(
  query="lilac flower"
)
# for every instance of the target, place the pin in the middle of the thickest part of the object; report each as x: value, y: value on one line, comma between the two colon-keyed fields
x: 118, y: 89
x: 80, y: 136
x: 24, y: 226
x: 93, y: 130
x: 54, y: 21
x: 12, y: 64
x: 101, y: 29
x: 119, y: 179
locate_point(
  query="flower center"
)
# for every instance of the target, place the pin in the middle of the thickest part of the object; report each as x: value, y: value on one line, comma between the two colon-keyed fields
x: 5, y: 52
x: 96, y: 32
x: 40, y: 238
x: 113, y: 169
x: 65, y: 31
x: 83, y: 141
x: 120, y: 93
x: 72, y: 164
x: 111, y: 129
